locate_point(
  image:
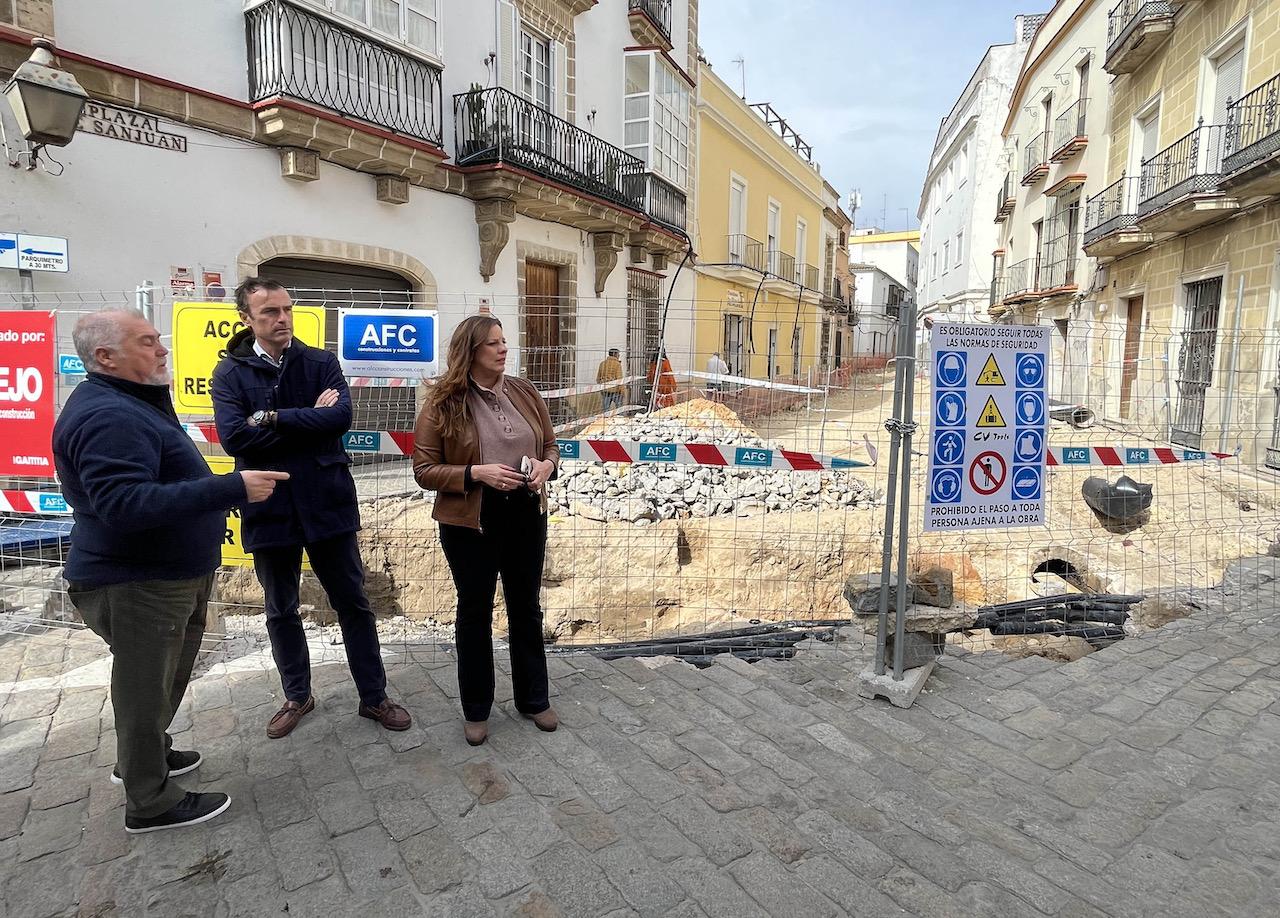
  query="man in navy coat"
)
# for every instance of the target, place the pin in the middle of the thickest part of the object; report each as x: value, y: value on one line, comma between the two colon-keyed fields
x: 279, y: 404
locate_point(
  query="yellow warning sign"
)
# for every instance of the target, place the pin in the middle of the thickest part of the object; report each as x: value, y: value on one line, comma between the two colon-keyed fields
x: 991, y: 375
x: 991, y: 416
x: 200, y: 335
x: 233, y: 553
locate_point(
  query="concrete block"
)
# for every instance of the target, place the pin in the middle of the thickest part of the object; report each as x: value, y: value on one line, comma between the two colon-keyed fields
x: 900, y: 694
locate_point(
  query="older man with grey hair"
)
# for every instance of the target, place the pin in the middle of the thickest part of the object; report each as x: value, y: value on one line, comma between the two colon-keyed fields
x: 149, y: 524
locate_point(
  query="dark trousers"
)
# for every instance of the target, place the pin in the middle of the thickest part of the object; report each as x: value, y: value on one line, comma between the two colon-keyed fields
x: 511, y: 545
x: 337, y: 565
x: 153, y: 628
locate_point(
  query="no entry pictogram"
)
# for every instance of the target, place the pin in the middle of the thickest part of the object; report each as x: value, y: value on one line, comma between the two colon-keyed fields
x: 987, y: 472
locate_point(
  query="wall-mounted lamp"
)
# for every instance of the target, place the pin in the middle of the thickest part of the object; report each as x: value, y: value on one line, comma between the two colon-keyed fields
x: 46, y: 101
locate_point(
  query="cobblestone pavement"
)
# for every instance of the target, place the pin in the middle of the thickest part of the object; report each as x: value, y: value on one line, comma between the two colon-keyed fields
x: 1141, y: 780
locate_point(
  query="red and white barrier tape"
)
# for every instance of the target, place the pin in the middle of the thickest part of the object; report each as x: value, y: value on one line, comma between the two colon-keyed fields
x: 707, y: 454
x: 32, y: 502
x: 1127, y: 455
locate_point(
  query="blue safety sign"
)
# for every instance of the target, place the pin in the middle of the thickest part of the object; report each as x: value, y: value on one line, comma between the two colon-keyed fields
x: 1030, y: 407
x: 1030, y: 373
x: 1029, y: 446
x: 945, y: 487
x: 951, y: 368
x: 948, y: 447
x: 1026, y: 482
x: 70, y: 365
x: 950, y: 409
x: 395, y: 343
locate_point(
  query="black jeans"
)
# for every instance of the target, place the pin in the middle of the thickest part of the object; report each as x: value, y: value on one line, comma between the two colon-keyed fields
x: 153, y: 628
x: 512, y: 544
x: 338, y: 567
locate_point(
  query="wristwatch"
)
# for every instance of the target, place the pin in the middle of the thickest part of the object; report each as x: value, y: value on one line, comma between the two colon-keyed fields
x: 262, y: 419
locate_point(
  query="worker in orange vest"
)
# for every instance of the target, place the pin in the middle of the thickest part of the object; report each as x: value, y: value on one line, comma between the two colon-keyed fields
x: 666, y: 394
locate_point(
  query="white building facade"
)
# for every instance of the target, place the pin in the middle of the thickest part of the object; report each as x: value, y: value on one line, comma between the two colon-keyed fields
x: 1055, y: 141
x: 967, y: 171
x: 530, y: 158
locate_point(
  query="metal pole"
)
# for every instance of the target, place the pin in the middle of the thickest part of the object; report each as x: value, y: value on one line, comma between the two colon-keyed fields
x: 895, y: 440
x: 906, y: 330
x: 1231, y: 373
x: 27, y: 288
x: 143, y: 301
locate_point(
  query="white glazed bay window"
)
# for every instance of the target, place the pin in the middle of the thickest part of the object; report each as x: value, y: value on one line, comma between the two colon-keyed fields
x: 413, y: 23
x: 656, y: 117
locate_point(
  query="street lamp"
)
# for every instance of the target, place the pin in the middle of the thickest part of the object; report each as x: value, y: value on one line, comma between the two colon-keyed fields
x: 46, y: 101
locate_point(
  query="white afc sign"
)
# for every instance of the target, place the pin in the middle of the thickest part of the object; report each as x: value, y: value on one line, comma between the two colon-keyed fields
x: 989, y: 428
x: 388, y: 343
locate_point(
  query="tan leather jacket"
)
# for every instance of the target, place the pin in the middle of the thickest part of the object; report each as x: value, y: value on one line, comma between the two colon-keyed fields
x: 440, y: 464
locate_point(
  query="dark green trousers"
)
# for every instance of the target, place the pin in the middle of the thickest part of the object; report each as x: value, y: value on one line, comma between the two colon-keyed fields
x: 153, y: 628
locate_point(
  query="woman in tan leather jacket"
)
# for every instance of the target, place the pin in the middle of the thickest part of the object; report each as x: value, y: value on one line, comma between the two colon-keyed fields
x: 484, y: 443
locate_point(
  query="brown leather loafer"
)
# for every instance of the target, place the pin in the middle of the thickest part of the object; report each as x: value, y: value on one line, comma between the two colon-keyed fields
x: 389, y: 714
x: 475, y: 731
x: 287, y: 717
x: 546, y: 721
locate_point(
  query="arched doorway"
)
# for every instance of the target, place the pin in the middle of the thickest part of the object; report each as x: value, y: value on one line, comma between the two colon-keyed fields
x: 335, y: 285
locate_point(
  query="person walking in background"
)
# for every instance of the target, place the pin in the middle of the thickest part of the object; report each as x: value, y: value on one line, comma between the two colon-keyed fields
x: 149, y: 522
x: 484, y: 442
x: 279, y: 404
x: 716, y: 368
x: 610, y: 369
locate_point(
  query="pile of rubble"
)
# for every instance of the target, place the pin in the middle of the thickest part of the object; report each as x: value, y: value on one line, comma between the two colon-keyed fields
x: 643, y: 493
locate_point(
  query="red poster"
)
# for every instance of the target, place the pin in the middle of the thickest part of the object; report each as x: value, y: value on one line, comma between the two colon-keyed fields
x: 28, y: 356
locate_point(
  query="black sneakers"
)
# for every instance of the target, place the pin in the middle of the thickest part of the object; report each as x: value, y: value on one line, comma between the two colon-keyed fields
x: 179, y: 764
x: 191, y: 810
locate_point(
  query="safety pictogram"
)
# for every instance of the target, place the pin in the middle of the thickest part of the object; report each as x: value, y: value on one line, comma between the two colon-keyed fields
x: 991, y: 375
x: 987, y: 472
x: 991, y: 416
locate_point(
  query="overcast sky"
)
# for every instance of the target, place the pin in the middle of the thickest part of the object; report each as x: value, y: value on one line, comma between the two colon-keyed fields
x: 866, y: 82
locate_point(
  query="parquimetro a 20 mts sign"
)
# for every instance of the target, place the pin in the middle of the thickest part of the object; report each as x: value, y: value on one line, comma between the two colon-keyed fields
x: 28, y: 355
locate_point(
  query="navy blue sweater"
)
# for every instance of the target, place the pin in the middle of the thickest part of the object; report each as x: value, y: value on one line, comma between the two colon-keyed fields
x: 145, y: 503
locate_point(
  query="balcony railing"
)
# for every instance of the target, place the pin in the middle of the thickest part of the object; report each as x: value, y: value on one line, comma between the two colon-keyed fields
x: 1007, y: 196
x: 1192, y: 165
x: 1253, y: 127
x: 1013, y: 281
x: 663, y: 202
x: 745, y: 251
x: 295, y: 53
x: 497, y: 126
x: 1068, y: 127
x: 810, y: 277
x: 782, y: 264
x: 1035, y: 157
x: 1128, y: 15
x: 659, y: 11
x: 1057, y: 265
x: 1114, y: 208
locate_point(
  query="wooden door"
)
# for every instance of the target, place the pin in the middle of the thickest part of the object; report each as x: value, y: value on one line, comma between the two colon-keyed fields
x: 543, y: 350
x: 1129, y: 367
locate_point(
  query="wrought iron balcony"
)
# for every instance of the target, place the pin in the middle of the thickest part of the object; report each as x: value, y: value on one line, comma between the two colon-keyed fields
x: 494, y: 126
x: 1035, y: 159
x: 1056, y: 268
x: 295, y: 53
x: 1006, y: 197
x: 1191, y: 165
x: 1253, y: 127
x: 782, y: 264
x: 1135, y: 30
x: 810, y: 276
x: 658, y: 12
x: 1113, y: 209
x: 1014, y: 281
x: 745, y: 251
x: 663, y: 202
x: 1069, y: 135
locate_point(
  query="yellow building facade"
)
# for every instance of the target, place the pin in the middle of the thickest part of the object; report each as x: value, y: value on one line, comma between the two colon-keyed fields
x: 1187, y: 232
x: 761, y: 242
